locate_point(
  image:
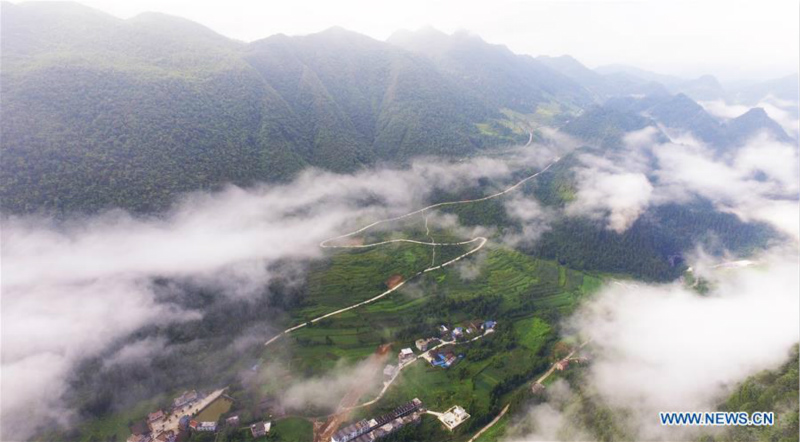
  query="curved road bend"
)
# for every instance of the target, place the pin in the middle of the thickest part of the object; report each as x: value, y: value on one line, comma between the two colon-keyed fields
x: 326, y: 244
x: 538, y: 381
x: 401, y: 367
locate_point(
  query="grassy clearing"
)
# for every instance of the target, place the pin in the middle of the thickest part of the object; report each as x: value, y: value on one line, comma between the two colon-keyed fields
x: 292, y: 429
x: 215, y: 409
x: 532, y: 333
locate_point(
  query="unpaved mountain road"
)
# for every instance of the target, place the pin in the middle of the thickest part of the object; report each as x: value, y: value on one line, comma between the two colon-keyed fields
x: 400, y: 368
x: 480, y: 240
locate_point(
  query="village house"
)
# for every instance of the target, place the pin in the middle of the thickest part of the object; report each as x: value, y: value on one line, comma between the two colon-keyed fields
x: 351, y: 432
x: 454, y: 417
x: 405, y: 355
x: 185, y: 399
x: 458, y: 332
x: 156, y: 420
x: 260, y: 429
x: 389, y: 370
x: 140, y: 428
x: 562, y: 364
x: 489, y: 325
x: 139, y: 438
x: 372, y: 429
x: 391, y: 426
x: 183, y: 422
x: 206, y: 426
x: 232, y: 421
x: 423, y: 344
x: 166, y: 436
x: 444, y: 359
x: 537, y: 388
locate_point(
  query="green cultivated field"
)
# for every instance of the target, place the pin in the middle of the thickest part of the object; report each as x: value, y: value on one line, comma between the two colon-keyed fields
x: 525, y: 295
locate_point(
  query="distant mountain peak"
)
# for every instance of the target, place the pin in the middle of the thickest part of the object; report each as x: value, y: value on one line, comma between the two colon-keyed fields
x: 336, y: 30
x: 754, y: 121
x: 756, y: 112
x: 430, y: 30
x: 685, y: 101
x: 340, y: 33
x: 429, y: 35
x: 564, y: 57
x: 174, y: 24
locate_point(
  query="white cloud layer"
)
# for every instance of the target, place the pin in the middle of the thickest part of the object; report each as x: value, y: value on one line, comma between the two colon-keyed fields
x: 759, y: 181
x: 668, y: 348
x: 782, y: 111
x: 71, y: 289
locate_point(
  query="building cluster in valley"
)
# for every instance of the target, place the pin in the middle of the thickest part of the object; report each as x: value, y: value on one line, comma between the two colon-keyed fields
x: 439, y: 351
x: 368, y: 430
x: 175, y: 424
x: 179, y: 420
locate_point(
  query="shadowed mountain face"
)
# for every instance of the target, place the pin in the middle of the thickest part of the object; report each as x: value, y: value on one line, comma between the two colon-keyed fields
x: 100, y: 112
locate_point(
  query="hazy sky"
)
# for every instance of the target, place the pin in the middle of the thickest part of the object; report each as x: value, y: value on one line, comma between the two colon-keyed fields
x: 731, y: 39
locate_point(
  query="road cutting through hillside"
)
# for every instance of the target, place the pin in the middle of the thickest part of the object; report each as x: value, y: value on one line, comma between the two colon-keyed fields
x: 538, y: 381
x: 403, y: 365
x: 480, y: 240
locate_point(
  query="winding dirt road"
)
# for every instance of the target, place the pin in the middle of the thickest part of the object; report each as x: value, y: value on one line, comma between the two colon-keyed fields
x: 400, y: 368
x: 490, y: 424
x: 480, y: 240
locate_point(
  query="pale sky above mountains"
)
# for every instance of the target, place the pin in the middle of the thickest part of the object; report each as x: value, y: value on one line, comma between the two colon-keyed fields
x: 735, y: 40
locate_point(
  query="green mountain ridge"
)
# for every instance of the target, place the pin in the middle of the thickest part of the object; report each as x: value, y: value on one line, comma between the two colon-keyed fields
x: 494, y: 73
x: 100, y: 112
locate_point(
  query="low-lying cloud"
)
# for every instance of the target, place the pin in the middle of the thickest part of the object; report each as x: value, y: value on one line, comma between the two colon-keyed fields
x: 668, y: 348
x: 619, y: 197
x: 71, y: 289
x: 782, y: 111
x: 758, y: 181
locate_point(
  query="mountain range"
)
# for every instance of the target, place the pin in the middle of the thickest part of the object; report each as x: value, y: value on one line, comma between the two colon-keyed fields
x: 100, y: 112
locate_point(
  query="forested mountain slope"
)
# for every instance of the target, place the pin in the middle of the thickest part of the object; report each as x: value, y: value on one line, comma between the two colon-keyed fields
x: 384, y: 101
x: 493, y: 72
x: 101, y: 112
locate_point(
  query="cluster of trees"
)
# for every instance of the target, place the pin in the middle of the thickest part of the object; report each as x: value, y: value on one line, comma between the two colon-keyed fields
x: 771, y: 390
x: 652, y: 248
